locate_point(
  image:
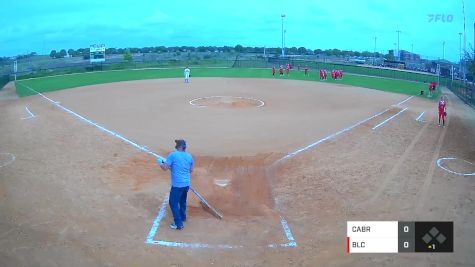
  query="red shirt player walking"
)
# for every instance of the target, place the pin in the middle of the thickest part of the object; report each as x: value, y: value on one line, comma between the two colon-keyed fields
x: 321, y: 74
x: 287, y: 69
x: 281, y: 70
x: 324, y: 74
x: 442, y: 110
x: 273, y: 71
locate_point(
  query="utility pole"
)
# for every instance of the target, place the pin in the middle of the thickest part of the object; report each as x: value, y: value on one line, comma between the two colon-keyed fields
x: 283, y: 48
x: 374, y: 50
x: 398, y: 56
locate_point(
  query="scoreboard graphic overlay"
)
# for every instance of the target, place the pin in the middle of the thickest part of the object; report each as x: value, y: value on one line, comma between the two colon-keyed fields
x: 399, y: 236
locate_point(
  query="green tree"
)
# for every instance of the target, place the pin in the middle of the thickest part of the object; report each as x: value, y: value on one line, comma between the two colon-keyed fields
x: 238, y: 48
x: 302, y: 50
x: 53, y: 53
x: 71, y: 52
x: 62, y: 53
x: 128, y: 56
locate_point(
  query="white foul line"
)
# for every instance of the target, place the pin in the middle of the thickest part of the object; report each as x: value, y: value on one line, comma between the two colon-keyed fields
x: 329, y: 137
x: 390, y: 118
x: 404, y: 101
x: 161, y: 214
x: 420, y: 116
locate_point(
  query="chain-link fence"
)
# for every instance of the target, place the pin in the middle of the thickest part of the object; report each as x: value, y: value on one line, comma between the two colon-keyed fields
x: 4, y: 79
x: 464, y: 90
x: 43, y: 66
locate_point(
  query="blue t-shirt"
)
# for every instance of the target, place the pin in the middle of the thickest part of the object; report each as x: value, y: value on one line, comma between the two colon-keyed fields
x: 181, y: 164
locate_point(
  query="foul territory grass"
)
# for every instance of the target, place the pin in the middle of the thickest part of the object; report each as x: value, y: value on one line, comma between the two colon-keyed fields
x: 53, y: 83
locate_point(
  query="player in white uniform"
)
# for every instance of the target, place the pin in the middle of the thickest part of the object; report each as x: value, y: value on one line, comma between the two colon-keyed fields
x: 187, y: 74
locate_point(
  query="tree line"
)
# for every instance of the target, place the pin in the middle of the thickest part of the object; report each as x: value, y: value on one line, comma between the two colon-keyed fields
x: 84, y: 52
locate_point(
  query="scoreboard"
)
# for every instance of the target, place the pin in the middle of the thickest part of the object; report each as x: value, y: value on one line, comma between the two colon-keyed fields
x: 97, y: 53
x: 399, y: 236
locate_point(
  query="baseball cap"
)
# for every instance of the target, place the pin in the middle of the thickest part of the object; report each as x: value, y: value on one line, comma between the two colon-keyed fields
x: 180, y: 143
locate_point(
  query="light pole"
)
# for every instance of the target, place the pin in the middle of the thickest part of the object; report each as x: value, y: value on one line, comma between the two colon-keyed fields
x: 394, y: 51
x: 374, y: 50
x: 398, y: 32
x: 443, y: 50
x: 283, y: 49
x: 460, y: 54
x: 285, y: 32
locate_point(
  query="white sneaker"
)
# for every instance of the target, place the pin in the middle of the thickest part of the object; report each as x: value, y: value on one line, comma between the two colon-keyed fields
x: 174, y: 227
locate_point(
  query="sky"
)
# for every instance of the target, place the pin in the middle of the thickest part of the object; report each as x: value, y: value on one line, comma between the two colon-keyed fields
x: 42, y: 25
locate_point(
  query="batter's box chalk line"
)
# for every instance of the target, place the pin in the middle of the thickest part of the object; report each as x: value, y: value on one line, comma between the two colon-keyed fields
x: 31, y: 115
x: 162, y: 213
x: 441, y: 160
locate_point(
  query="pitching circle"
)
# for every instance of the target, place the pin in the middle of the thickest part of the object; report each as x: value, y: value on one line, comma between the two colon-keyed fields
x: 439, y: 163
x: 255, y: 102
x: 6, y: 159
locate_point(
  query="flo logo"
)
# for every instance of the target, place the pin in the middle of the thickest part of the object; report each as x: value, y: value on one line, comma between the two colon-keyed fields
x: 441, y: 18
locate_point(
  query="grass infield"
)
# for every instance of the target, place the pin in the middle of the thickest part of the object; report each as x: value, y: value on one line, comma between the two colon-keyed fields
x: 53, y: 83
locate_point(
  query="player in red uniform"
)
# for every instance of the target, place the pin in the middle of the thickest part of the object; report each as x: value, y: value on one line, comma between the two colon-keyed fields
x: 306, y: 70
x: 287, y: 69
x: 432, y: 88
x: 281, y: 70
x: 324, y: 74
x: 273, y: 71
x: 442, y: 110
x: 341, y: 74
x: 333, y: 75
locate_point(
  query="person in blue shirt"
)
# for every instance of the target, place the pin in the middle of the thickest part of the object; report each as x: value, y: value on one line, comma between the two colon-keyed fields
x: 180, y: 163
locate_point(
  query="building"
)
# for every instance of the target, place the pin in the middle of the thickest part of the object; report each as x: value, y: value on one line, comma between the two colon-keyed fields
x: 407, y: 56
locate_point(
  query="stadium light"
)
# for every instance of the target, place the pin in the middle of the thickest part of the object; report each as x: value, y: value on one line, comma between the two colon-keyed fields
x: 283, y: 48
x: 398, y: 55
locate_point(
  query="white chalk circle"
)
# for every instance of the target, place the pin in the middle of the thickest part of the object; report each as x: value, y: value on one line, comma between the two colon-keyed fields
x: 226, y: 102
x: 6, y: 159
x: 222, y: 183
x: 440, y: 164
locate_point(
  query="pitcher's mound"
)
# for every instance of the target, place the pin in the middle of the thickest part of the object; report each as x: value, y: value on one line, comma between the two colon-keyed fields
x: 227, y: 102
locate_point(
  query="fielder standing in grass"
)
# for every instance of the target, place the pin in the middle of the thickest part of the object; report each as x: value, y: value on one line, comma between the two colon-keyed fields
x: 180, y: 163
x: 187, y: 74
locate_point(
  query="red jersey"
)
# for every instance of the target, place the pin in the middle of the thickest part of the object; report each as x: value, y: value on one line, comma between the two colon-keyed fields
x: 273, y: 70
x: 441, y: 106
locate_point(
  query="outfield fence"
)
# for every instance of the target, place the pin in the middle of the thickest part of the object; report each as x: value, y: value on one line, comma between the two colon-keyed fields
x: 47, y: 67
x: 4, y: 79
x: 464, y: 90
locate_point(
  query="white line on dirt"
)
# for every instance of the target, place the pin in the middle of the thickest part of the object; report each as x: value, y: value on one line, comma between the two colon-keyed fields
x: 29, y: 112
x: 404, y: 101
x: 331, y: 136
x: 388, y: 119
x: 420, y: 116
x: 162, y: 211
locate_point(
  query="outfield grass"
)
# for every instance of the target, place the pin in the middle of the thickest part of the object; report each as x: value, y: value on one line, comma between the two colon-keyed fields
x: 53, y: 83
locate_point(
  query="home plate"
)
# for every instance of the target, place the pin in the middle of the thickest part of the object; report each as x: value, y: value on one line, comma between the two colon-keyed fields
x: 222, y: 183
